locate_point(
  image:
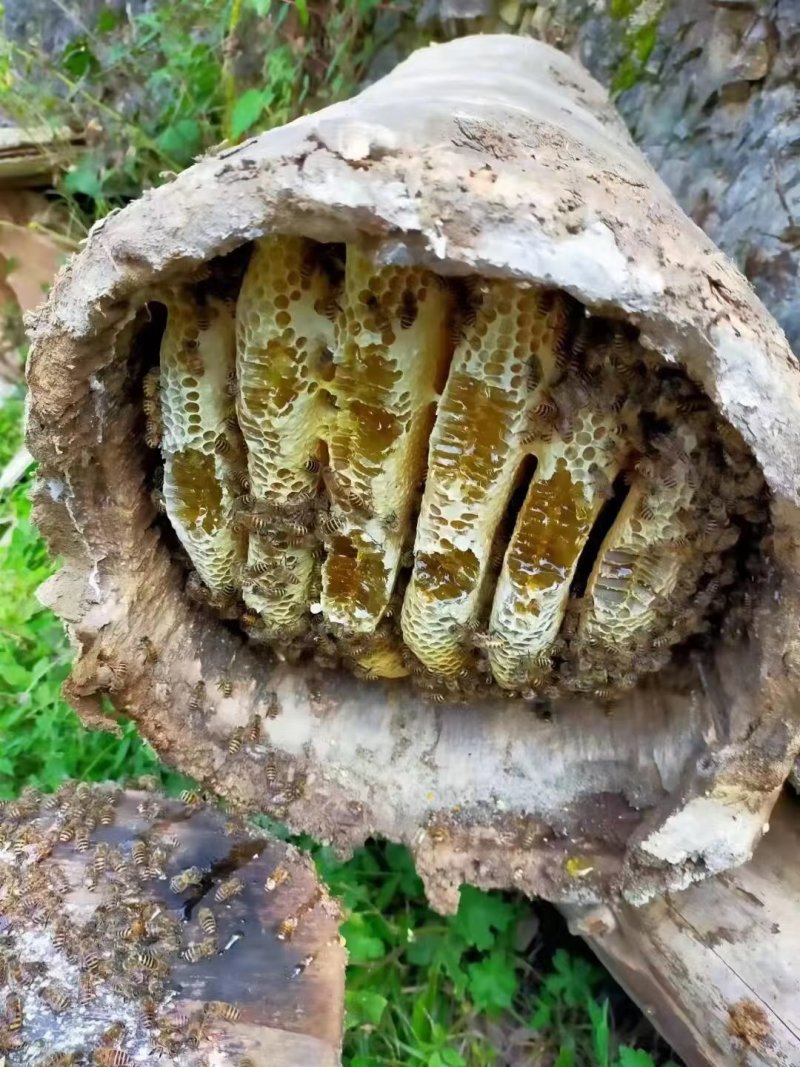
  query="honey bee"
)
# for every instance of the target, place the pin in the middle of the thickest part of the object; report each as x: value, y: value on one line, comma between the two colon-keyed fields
x: 87, y: 989
x: 297, y: 787
x: 276, y: 878
x: 225, y: 685
x: 236, y: 740
x: 107, y: 815
x: 61, y: 934
x: 253, y: 735
x: 147, y: 959
x: 197, y: 698
x: 271, y: 769
x: 135, y: 930
x: 438, y: 833
x: 112, y: 1057
x: 220, y: 1009
x: 152, y: 433
x: 149, y: 650
x: 304, y: 963
x: 286, y: 928
x: 92, y: 961
x: 184, y: 879
x: 193, y: 358
x: 200, y: 950
x: 273, y: 708
x: 222, y: 444
x: 151, y: 383
x: 149, y: 1011
x: 312, y: 465
x: 409, y: 310
x: 139, y: 854
x: 207, y: 922
x: 190, y: 797
x: 229, y: 889
x: 14, y: 1016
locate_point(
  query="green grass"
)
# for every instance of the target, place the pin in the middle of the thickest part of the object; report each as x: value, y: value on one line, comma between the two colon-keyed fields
x: 423, y: 990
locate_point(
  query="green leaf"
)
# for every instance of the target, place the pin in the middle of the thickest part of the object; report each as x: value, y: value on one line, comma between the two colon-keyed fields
x: 565, y: 1058
x: 363, y: 1008
x: 362, y: 945
x: 78, y: 59
x: 479, y: 915
x: 181, y: 140
x: 84, y: 178
x: 598, y: 1014
x: 453, y: 1058
x: 107, y: 20
x: 301, y: 6
x: 493, y: 982
x: 15, y: 675
x: 247, y: 111
x: 631, y: 1057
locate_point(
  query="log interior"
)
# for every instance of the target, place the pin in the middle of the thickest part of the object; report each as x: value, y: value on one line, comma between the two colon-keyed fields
x: 471, y: 483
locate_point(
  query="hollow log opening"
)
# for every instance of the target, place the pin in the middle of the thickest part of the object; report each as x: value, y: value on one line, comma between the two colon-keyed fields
x: 341, y: 445
x: 365, y: 439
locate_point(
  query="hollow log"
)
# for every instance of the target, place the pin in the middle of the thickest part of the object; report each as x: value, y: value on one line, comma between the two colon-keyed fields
x: 136, y: 926
x: 713, y: 967
x: 470, y: 515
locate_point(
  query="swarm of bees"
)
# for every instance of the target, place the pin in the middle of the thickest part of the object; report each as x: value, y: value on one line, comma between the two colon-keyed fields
x: 114, y: 967
x: 474, y: 484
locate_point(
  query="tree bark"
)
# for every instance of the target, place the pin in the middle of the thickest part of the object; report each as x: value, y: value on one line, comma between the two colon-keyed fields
x: 110, y: 943
x: 713, y: 967
x: 494, y: 156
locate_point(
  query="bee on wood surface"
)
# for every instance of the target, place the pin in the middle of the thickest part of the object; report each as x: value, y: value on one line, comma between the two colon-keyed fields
x: 229, y: 889
x: 112, y: 1057
x: 236, y: 740
x: 184, y: 879
x: 286, y: 928
x: 197, y: 698
x: 276, y: 878
x: 149, y: 650
x: 14, y: 1015
x: 271, y: 769
x: 147, y: 959
x: 190, y: 797
x: 220, y: 1009
x: 200, y: 950
x: 207, y: 922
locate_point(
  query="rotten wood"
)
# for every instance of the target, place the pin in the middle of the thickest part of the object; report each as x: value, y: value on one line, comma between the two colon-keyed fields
x: 715, y: 967
x: 32, y: 156
x: 156, y: 927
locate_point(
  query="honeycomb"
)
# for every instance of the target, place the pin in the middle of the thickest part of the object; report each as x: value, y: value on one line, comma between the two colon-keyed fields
x: 201, y: 443
x: 472, y: 482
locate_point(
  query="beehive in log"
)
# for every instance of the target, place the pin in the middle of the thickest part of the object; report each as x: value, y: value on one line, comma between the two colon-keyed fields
x: 138, y: 929
x: 451, y: 474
